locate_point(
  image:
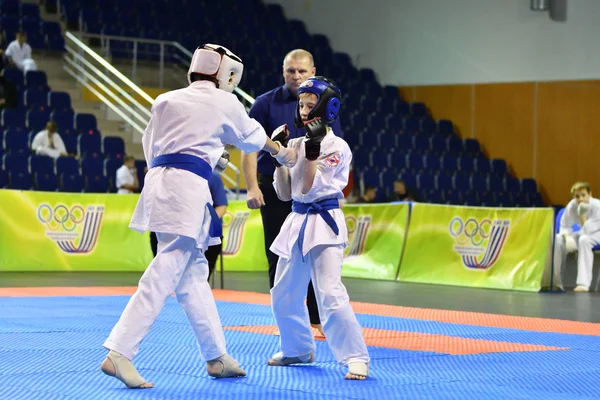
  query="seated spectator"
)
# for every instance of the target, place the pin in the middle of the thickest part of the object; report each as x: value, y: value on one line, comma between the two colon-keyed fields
x: 49, y: 143
x: 3, y: 58
x: 8, y: 92
x: 402, y: 193
x: 19, y: 53
x: 127, y: 181
x: 369, y: 195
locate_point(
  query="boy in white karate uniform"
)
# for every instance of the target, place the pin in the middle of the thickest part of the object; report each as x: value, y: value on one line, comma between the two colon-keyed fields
x: 312, y: 239
x: 183, y: 142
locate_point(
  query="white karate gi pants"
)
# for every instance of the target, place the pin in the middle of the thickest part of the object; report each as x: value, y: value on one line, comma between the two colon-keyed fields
x: 585, y: 257
x: 323, y: 264
x: 179, y: 267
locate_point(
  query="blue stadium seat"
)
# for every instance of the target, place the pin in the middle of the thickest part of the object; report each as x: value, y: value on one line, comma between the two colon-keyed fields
x: 367, y: 139
x: 35, y: 98
x: 388, y: 177
x: 15, y: 163
x: 425, y: 181
x: 401, y: 108
x: 419, y: 109
x: 41, y: 164
x: 520, y: 199
x: 37, y: 119
x: 470, y: 198
x: 395, y: 123
x: 412, y: 125
x: 96, y: 183
x: 71, y: 182
x: 30, y: 10
x: 467, y: 164
x: 141, y: 166
x: 472, y: 147
x: 113, y: 147
x: 376, y: 122
x: 51, y: 28
x: 67, y: 165
x: 370, y: 177
x: 15, y: 76
x: 499, y: 166
x: 432, y: 162
x: 453, y: 197
x: 444, y: 181
x: 70, y: 139
x: 56, y: 43
x: 20, y: 180
x: 428, y: 126
x: 36, y: 79
x: 421, y: 143
x: 387, y: 140
x: 46, y: 181
x: 3, y: 178
x: 535, y: 200
x: 495, y: 183
x: 432, y: 196
x: 483, y: 165
x: 445, y: 127
x: 486, y: 199
x: 65, y: 119
x: 92, y: 165
x: 479, y: 182
x: 455, y: 145
x: 410, y: 180
x: 404, y: 142
x: 13, y: 119
x: 360, y: 158
x: 503, y: 199
x: 529, y: 185
x: 89, y: 143
x: 10, y: 7
x: 85, y: 122
x: 449, y: 163
x: 512, y: 184
x: 16, y: 142
x: 59, y: 100
x: 379, y: 158
x: 415, y: 161
x: 111, y: 166
x: 461, y: 181
x: 437, y: 144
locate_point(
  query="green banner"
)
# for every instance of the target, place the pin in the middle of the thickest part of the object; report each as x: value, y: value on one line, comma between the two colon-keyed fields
x: 502, y: 248
x: 376, y: 236
x: 376, y: 240
x: 243, y: 239
x: 49, y: 231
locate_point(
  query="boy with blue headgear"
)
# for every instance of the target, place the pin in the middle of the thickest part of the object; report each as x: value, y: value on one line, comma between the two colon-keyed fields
x: 312, y: 239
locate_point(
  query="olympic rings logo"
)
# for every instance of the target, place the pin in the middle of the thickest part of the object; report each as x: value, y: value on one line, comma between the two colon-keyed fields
x: 470, y: 231
x: 61, y: 217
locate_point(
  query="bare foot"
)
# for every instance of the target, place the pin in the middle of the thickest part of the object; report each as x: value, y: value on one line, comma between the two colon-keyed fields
x: 119, y: 367
x: 224, y: 367
x: 354, y: 377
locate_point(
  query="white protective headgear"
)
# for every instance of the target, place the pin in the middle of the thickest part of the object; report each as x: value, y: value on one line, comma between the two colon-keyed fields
x: 219, y: 63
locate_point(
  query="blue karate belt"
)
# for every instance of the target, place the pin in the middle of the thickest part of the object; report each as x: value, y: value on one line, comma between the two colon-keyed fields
x: 320, y: 207
x: 197, y: 166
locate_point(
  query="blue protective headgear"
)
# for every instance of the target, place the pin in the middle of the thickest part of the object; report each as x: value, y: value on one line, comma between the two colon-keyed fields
x: 329, y: 100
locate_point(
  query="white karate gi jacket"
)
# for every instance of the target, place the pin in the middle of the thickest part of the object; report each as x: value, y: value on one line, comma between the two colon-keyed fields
x: 41, y: 144
x: 570, y: 217
x: 330, y: 179
x: 198, y: 120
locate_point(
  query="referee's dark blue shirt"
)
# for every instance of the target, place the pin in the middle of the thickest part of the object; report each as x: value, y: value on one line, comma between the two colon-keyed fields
x: 273, y: 109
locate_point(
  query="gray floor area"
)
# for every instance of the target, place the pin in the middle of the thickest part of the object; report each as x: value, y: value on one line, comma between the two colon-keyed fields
x: 568, y: 306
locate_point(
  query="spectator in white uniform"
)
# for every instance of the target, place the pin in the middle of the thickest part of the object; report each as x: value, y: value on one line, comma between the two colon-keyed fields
x: 127, y: 181
x: 48, y: 142
x: 583, y: 210
x: 19, y: 52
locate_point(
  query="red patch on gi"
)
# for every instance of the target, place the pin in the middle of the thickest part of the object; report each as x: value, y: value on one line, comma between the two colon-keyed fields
x: 333, y: 160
